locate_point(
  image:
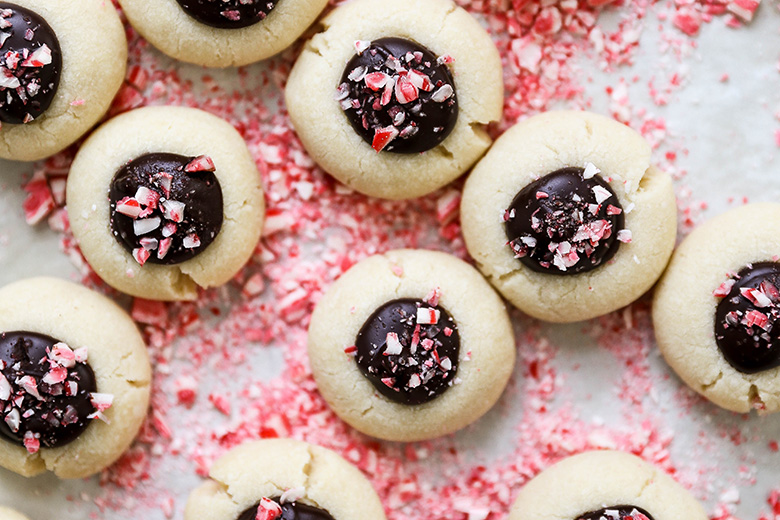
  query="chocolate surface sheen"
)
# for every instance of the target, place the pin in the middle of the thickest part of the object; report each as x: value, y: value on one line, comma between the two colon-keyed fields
x: 398, y: 96
x: 166, y: 208
x: 564, y: 224
x: 290, y: 511
x: 617, y: 513
x: 30, y: 64
x: 409, y: 350
x: 228, y: 14
x: 57, y: 415
x: 746, y: 320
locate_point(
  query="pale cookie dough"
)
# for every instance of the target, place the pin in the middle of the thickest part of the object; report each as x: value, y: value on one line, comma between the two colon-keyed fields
x: 116, y: 353
x: 548, y: 143
x: 168, y: 27
x: 478, y: 375
x: 10, y: 514
x: 326, y: 132
x: 94, y: 59
x: 312, y: 475
x: 591, y: 481
x: 684, y: 310
x: 175, y: 130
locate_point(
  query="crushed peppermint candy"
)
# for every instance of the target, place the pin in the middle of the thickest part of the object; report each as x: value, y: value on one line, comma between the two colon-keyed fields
x: 167, y: 208
x: 418, y: 359
x: 562, y: 223
x: 30, y: 66
x: 617, y: 513
x: 47, y: 391
x: 229, y: 14
x: 398, y: 96
x: 747, y: 318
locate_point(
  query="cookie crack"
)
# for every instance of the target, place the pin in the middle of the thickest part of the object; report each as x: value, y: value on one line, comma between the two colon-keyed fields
x: 712, y: 383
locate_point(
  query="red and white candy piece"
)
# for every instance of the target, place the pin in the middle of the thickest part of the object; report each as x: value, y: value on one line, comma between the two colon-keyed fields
x: 5, y: 388
x: 292, y: 495
x: 29, y: 385
x: 163, y: 247
x: 756, y: 297
x: 625, y: 236
x: 39, y: 57
x: 202, y: 163
x: 147, y: 197
x: 361, y: 46
x: 601, y: 193
x: 383, y: 137
x: 129, y: 207
x: 101, y: 402
x: 31, y: 442
x: 141, y: 255
x: 268, y: 510
x: 63, y: 355
x: 427, y: 316
x: 405, y: 91
x: 444, y: 93
x: 146, y: 225
x: 173, y: 210
x: 191, y: 241
x: 590, y: 171
x: 393, y: 345
x: 14, y: 420
x: 56, y: 375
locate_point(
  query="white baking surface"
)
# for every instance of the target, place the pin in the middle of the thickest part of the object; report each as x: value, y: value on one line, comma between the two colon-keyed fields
x: 728, y: 128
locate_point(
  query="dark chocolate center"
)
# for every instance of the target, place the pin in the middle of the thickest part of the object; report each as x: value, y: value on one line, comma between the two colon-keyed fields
x: 617, y: 513
x: 228, y: 14
x: 30, y: 64
x: 398, y: 96
x: 166, y: 208
x: 746, y: 320
x: 290, y: 511
x: 564, y: 223
x: 43, y: 399
x: 409, y: 350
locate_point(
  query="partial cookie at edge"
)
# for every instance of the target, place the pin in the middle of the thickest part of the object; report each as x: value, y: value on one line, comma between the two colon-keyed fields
x: 169, y: 28
x: 267, y: 468
x: 117, y: 354
x: 684, y: 306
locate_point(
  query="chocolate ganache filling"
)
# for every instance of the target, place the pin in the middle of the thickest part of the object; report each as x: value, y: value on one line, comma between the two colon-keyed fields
x: 567, y: 222
x: 166, y: 208
x: 399, y: 96
x: 409, y: 349
x: 30, y: 64
x: 47, y: 391
x: 228, y: 14
x: 746, y: 319
x: 273, y: 509
x: 617, y: 513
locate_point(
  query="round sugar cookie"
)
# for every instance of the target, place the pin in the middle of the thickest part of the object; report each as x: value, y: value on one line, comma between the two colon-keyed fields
x: 222, y: 33
x: 567, y: 218
x: 303, y: 481
x: 411, y: 345
x: 716, y: 311
x: 604, y: 484
x: 392, y: 98
x: 10, y: 514
x: 75, y: 379
x: 163, y: 200
x: 75, y: 63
